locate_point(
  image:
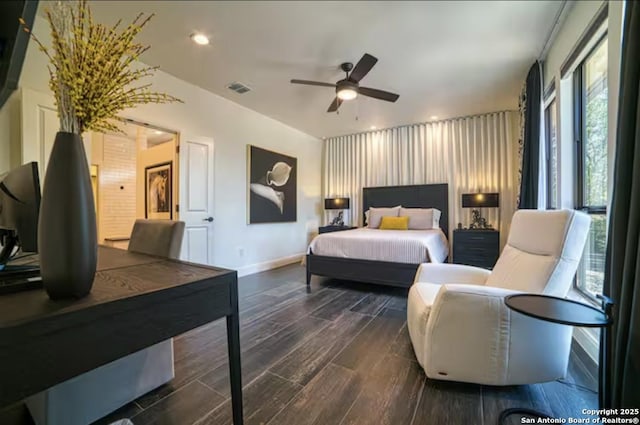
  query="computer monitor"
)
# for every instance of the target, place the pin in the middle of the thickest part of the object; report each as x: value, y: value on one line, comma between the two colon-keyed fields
x: 19, y: 209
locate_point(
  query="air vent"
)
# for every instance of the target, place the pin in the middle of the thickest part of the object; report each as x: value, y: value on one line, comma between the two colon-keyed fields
x: 238, y: 87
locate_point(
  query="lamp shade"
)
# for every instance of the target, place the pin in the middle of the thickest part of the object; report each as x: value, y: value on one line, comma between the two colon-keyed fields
x: 336, y: 204
x: 480, y: 200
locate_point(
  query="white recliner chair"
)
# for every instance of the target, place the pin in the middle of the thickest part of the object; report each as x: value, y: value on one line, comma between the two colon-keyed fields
x: 460, y: 327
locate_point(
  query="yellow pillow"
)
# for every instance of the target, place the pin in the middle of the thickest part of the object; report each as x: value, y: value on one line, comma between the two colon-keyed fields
x: 394, y: 223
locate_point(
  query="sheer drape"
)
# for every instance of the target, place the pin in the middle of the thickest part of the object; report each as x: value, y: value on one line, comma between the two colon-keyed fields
x: 471, y: 154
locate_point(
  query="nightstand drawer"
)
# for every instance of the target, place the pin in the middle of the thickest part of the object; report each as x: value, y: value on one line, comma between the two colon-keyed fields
x: 477, y: 236
x: 472, y: 249
x: 484, y: 262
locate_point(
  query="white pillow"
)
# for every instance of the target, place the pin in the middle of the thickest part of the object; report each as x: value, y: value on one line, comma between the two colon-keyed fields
x: 422, y: 218
x: 375, y: 215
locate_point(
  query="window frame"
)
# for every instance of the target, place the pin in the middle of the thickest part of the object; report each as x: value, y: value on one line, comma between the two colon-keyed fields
x: 550, y: 100
x: 579, y: 131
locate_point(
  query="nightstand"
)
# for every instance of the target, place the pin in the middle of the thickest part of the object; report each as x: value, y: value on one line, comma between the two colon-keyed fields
x: 474, y: 247
x: 330, y: 228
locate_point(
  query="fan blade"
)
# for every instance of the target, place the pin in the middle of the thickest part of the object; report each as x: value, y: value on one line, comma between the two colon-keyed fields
x: 335, y: 105
x: 313, y: 83
x: 378, y: 94
x: 362, y: 68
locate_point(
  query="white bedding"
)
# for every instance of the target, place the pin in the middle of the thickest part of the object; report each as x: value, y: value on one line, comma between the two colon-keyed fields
x: 398, y: 246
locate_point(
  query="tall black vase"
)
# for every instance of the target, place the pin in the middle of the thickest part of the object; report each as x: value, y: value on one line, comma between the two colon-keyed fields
x: 67, y: 240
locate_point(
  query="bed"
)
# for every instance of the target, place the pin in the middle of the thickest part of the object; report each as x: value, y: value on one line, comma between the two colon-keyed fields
x: 384, y: 257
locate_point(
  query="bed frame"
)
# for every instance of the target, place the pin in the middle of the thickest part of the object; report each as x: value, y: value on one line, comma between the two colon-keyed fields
x: 384, y: 272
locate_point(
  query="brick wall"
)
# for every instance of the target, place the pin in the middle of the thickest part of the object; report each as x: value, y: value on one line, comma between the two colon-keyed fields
x: 118, y: 186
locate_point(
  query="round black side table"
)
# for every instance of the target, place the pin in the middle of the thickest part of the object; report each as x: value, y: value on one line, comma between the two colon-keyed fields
x: 564, y: 312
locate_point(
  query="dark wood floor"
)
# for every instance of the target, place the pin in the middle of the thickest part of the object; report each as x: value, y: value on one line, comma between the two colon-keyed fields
x: 337, y: 355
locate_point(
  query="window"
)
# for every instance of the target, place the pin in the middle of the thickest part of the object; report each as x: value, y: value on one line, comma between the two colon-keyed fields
x: 551, y: 125
x: 590, y: 93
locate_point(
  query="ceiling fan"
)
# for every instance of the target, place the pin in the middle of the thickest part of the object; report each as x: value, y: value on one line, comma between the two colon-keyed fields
x: 349, y: 87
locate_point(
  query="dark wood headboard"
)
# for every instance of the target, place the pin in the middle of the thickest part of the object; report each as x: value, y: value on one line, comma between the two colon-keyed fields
x: 414, y: 196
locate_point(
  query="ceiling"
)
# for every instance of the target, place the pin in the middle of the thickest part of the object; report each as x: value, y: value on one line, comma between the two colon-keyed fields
x: 444, y: 58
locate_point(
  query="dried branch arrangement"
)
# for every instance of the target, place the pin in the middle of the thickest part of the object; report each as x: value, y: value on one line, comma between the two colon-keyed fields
x: 90, y: 67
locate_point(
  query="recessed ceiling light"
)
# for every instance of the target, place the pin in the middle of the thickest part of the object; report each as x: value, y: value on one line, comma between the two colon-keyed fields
x: 434, y: 117
x: 157, y: 132
x: 200, y: 38
x: 373, y: 127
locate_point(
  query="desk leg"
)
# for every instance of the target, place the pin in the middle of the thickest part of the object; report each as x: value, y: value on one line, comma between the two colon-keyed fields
x: 233, y: 342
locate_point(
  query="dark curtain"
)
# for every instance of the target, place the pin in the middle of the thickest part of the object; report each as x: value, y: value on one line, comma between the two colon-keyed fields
x: 531, y: 142
x: 620, y: 373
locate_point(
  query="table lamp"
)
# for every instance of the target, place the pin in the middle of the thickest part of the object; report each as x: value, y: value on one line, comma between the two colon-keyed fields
x: 477, y: 201
x: 340, y: 204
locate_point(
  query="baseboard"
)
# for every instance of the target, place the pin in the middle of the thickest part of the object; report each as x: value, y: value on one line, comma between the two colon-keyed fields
x: 586, y: 348
x: 268, y: 265
x: 586, y: 339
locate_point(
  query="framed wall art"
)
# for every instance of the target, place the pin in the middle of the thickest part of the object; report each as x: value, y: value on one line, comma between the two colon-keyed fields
x: 158, y: 191
x: 272, y: 186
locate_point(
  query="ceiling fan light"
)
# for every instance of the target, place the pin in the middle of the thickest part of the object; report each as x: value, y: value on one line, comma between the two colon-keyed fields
x: 347, y: 93
x: 200, y: 39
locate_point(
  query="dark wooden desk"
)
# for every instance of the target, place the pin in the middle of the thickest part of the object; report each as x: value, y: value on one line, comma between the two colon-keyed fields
x: 136, y: 301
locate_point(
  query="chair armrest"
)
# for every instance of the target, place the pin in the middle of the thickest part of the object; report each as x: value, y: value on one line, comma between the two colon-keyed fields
x: 472, y: 336
x: 451, y: 273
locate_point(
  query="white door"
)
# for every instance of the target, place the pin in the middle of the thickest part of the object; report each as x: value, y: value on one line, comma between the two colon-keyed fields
x: 40, y: 124
x: 196, y: 198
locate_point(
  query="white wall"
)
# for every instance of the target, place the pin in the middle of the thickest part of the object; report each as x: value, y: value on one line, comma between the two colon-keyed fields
x: 577, y: 20
x: 616, y: 17
x: 9, y: 132
x: 232, y: 127
x: 5, y: 149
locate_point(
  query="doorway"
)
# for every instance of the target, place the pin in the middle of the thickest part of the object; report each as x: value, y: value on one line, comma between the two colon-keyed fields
x: 136, y: 178
x: 192, y: 174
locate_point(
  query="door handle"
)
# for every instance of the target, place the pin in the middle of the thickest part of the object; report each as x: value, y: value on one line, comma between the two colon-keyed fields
x: 209, y: 219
